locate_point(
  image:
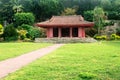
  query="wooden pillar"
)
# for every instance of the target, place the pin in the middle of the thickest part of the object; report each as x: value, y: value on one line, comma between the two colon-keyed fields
x: 49, y: 32
x: 59, y: 32
x: 83, y: 32
x: 71, y: 32
x: 79, y: 32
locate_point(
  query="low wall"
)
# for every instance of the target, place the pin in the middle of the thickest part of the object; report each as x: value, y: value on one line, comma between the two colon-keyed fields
x: 65, y: 40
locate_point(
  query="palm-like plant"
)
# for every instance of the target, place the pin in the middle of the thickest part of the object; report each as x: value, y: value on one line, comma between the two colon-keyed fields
x: 99, y: 17
x: 16, y: 6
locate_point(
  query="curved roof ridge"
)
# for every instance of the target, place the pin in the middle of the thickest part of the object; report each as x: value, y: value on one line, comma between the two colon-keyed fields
x: 70, y: 20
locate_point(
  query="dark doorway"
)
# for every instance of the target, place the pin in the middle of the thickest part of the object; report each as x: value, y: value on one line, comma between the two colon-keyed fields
x: 65, y: 32
x: 75, y: 32
x: 55, y: 32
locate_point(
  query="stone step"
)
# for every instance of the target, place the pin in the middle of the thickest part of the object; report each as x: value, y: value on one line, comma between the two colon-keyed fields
x: 65, y: 40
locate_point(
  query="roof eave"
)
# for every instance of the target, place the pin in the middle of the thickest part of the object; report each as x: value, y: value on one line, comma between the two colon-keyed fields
x: 65, y: 25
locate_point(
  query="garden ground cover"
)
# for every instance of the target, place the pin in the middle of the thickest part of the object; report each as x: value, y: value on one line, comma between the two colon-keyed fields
x: 83, y: 61
x: 9, y: 50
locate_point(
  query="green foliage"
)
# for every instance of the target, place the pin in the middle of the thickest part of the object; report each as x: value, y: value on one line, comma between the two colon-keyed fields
x: 88, y: 15
x: 6, y: 12
x: 1, y: 29
x: 18, y: 8
x: 114, y: 15
x: 109, y: 23
x: 32, y: 32
x: 99, y: 17
x: 69, y: 11
x: 91, y: 32
x: 22, y: 34
x: 36, y: 33
x: 26, y: 27
x: 102, y: 37
x: 87, y: 5
x: 10, y: 33
x: 106, y: 4
x: 115, y: 37
x: 43, y: 9
x: 105, y: 37
x: 24, y: 18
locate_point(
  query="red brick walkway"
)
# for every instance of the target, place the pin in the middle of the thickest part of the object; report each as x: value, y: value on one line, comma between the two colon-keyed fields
x: 13, y: 64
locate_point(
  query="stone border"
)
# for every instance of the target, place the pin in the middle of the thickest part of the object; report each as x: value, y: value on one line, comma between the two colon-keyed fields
x: 65, y: 40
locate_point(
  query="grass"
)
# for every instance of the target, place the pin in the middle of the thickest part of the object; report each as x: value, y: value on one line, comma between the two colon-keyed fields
x: 88, y: 61
x: 9, y: 50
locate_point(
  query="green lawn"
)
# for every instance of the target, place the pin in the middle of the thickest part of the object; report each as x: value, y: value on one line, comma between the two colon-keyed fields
x: 88, y: 61
x: 9, y: 50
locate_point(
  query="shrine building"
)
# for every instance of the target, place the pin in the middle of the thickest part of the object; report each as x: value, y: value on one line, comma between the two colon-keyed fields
x: 66, y: 26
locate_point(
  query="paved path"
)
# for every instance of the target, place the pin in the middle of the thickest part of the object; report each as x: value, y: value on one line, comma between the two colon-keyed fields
x: 13, y: 64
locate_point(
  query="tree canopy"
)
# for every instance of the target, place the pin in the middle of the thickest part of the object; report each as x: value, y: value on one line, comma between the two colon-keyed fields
x: 44, y: 9
x: 99, y: 17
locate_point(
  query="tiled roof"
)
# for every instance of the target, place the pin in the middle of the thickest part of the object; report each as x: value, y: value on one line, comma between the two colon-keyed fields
x: 66, y: 21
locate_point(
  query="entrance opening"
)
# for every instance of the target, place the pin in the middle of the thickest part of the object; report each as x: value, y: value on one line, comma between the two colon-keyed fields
x: 55, y: 32
x: 65, y: 32
x: 75, y: 32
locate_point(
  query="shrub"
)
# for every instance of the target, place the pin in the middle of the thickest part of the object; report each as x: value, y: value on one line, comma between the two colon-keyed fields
x: 26, y: 27
x: 10, y: 33
x: 91, y: 31
x: 102, y: 37
x: 32, y: 32
x: 42, y: 32
x: 115, y: 37
x: 88, y: 15
x: 23, y: 18
x: 22, y: 34
x: 1, y: 30
x: 36, y: 33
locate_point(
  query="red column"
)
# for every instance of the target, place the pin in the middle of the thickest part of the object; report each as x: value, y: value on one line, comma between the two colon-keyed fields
x: 79, y: 32
x: 83, y: 32
x: 59, y: 32
x: 49, y: 32
x: 71, y: 32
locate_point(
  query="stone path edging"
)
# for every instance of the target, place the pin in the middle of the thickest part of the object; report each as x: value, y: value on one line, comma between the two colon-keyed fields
x: 13, y: 64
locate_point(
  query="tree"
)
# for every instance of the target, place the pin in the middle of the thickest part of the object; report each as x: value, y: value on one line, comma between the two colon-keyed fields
x: 43, y: 9
x: 88, y: 15
x: 23, y: 18
x: 99, y: 17
x: 10, y: 33
x: 113, y: 11
x: 6, y: 12
x: 70, y: 3
x: 106, y: 5
x: 17, y: 7
x: 69, y: 11
x: 85, y: 5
